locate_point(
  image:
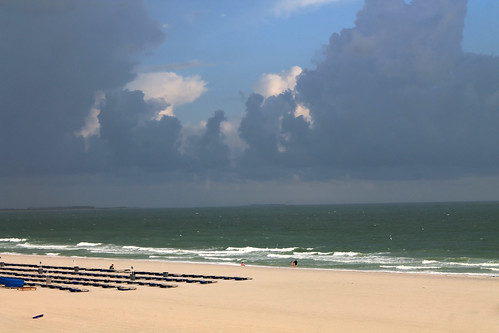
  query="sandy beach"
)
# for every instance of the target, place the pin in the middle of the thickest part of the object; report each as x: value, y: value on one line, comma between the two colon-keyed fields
x: 274, y: 300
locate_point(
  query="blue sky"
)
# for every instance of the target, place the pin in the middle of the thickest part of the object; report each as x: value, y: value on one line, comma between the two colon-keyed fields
x: 211, y: 103
x: 230, y: 44
x: 234, y: 43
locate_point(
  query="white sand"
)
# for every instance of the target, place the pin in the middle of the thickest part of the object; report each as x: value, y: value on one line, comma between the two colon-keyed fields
x: 276, y: 300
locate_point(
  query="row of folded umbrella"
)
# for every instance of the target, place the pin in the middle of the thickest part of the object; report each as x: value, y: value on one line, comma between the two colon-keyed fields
x: 65, y: 278
x: 108, y: 272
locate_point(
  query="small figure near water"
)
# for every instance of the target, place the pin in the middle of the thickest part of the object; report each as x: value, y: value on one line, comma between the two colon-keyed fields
x: 112, y: 266
x: 294, y: 263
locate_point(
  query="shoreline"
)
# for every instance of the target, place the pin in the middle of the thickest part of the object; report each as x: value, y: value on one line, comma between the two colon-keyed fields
x: 409, y: 272
x: 274, y: 300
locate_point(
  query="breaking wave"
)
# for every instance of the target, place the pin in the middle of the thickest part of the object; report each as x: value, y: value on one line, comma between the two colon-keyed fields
x: 307, y: 257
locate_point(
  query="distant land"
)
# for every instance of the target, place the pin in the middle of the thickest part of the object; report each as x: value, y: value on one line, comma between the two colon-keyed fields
x: 256, y: 205
x: 53, y: 208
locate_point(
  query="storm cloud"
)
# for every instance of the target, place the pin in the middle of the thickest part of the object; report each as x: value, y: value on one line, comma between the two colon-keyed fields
x: 55, y: 56
x: 395, y: 97
x: 65, y: 59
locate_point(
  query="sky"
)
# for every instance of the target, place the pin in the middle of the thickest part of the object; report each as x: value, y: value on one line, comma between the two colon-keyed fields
x: 217, y: 103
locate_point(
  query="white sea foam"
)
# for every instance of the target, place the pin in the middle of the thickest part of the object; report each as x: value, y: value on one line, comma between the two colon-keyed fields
x: 229, y: 254
x: 409, y: 268
x: 308, y: 257
x: 148, y: 250
x: 13, y: 240
x: 491, y: 264
x: 466, y: 264
x: 346, y: 254
x: 248, y: 249
x: 341, y: 259
x: 344, y: 258
x: 429, y: 262
x: 217, y: 259
x: 87, y: 244
x: 282, y: 256
x: 44, y: 246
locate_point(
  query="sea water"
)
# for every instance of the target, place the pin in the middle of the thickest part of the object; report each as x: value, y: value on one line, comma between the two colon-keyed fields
x: 435, y: 238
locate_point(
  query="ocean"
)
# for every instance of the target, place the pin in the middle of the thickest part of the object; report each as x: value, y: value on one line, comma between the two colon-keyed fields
x: 437, y: 238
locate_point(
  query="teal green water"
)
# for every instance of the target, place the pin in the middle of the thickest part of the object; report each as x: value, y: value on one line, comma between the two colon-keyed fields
x: 431, y: 238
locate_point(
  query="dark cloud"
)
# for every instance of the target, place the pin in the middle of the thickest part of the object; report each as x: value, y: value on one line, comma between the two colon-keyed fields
x: 261, y: 129
x: 395, y: 97
x: 56, y: 55
x: 133, y: 138
x: 208, y: 150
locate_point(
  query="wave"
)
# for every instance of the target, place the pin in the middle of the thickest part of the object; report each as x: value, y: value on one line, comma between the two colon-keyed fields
x: 44, y: 246
x: 13, y: 240
x: 429, y: 261
x: 347, y: 254
x: 266, y: 256
x: 410, y: 268
x: 249, y: 249
x: 86, y: 244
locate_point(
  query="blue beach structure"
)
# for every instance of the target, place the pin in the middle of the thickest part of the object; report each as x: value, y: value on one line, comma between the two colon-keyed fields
x: 11, y: 283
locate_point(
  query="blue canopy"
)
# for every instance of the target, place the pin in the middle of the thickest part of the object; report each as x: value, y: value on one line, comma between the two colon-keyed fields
x: 11, y: 283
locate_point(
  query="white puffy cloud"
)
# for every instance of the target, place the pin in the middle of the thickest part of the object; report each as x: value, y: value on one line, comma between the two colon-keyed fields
x: 303, y: 111
x: 275, y: 84
x: 173, y: 88
x: 285, y: 7
x: 168, y: 86
x: 92, y: 125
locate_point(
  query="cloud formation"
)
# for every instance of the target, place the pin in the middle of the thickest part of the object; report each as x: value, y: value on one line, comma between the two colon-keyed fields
x: 56, y: 55
x: 275, y: 84
x: 395, y: 97
x: 170, y: 87
x: 132, y: 136
x: 286, y: 7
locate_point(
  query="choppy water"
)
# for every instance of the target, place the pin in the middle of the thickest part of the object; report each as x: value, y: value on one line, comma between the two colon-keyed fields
x: 431, y: 238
